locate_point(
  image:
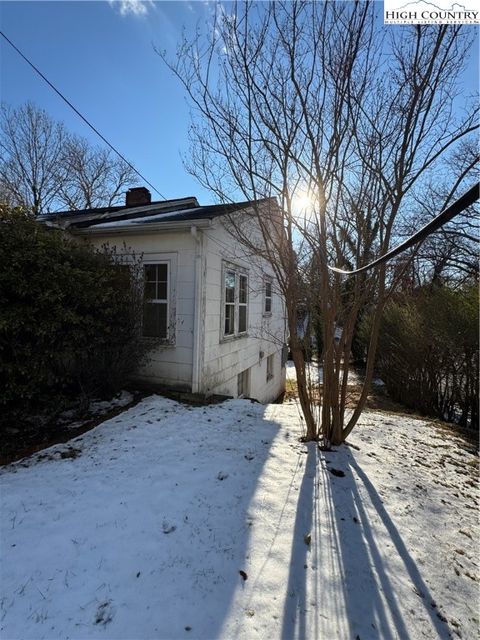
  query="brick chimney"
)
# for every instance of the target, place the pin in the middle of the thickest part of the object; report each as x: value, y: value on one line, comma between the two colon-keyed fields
x: 138, y: 196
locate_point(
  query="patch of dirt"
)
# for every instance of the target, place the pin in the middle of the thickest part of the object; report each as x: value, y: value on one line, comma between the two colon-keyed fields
x: 25, y: 442
x: 105, y: 612
x: 183, y: 396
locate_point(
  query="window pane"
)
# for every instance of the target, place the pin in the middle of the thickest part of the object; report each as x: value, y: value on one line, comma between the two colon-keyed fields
x: 242, y: 292
x: 155, y: 320
x: 150, y: 291
x: 162, y: 272
x: 156, y: 281
x: 229, y: 286
x: 268, y: 297
x: 150, y: 271
x: 229, y: 319
x: 242, y: 319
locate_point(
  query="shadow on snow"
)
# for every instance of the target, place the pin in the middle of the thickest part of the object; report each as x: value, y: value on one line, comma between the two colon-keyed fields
x: 353, y: 579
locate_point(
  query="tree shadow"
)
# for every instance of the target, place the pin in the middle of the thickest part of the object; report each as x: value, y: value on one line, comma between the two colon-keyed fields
x: 294, y: 615
x: 183, y: 528
x: 349, y: 582
x: 370, y: 588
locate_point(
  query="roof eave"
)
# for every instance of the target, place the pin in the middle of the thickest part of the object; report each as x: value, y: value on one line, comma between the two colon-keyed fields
x: 148, y: 227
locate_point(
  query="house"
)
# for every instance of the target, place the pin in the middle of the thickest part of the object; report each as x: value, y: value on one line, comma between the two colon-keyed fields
x: 212, y: 310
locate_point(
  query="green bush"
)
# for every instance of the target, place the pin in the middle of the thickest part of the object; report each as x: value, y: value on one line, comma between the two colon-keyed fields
x: 68, y: 320
x: 428, y: 352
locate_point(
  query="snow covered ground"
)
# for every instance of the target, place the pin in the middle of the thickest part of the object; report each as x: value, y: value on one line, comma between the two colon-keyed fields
x: 315, y: 374
x: 170, y: 521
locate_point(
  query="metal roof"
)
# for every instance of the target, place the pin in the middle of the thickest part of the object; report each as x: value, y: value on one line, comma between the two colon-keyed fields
x: 181, y: 210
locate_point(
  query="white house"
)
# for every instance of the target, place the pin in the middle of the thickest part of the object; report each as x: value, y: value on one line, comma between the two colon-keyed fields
x: 215, y: 311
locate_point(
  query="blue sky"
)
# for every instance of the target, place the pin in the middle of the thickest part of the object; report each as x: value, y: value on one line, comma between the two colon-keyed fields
x: 104, y: 62
x: 100, y: 55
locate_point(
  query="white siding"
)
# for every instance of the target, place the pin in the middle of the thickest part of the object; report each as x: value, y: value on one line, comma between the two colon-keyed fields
x: 218, y: 361
x: 224, y: 359
x: 170, y: 365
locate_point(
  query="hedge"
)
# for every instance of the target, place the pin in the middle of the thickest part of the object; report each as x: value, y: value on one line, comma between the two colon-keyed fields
x: 428, y: 352
x: 68, y: 320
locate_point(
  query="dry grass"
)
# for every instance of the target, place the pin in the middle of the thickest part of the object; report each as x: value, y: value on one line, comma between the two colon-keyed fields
x: 379, y: 401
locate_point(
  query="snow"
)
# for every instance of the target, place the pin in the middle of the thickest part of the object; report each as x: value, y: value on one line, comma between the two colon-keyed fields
x: 149, y: 218
x: 170, y: 521
x: 101, y: 406
x: 315, y: 374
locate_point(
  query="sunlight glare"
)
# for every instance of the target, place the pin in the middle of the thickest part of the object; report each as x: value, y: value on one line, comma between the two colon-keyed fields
x: 303, y: 205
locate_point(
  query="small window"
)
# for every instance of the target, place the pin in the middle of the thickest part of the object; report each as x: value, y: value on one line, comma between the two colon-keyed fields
x: 155, y: 314
x: 235, y: 302
x: 270, y: 361
x: 268, y: 297
x: 243, y: 384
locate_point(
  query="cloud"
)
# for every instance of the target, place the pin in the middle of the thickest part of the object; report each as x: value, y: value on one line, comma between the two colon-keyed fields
x: 132, y: 7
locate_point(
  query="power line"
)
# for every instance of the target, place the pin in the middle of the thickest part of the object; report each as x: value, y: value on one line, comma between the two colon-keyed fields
x: 464, y: 201
x: 80, y: 115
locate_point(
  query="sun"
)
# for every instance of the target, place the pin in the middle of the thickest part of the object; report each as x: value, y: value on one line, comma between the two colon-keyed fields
x: 303, y: 201
x: 302, y: 205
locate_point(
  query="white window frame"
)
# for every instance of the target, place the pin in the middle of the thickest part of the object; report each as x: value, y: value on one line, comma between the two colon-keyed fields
x: 171, y: 261
x: 239, y: 272
x: 267, y: 281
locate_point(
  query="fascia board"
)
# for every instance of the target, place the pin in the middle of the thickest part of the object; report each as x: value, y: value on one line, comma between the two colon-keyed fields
x: 143, y: 229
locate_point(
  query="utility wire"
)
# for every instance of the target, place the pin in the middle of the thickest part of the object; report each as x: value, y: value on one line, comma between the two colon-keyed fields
x: 80, y: 115
x: 466, y: 200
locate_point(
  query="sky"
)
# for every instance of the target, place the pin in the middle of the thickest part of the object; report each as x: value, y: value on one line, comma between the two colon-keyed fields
x: 101, y: 56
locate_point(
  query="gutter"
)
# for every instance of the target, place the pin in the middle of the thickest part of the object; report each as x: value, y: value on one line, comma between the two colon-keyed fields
x: 172, y: 225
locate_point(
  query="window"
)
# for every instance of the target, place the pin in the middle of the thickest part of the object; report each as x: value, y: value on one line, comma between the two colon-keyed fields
x: 230, y: 303
x: 155, y: 314
x: 267, y: 307
x: 235, y: 302
x: 270, y: 360
x: 243, y: 384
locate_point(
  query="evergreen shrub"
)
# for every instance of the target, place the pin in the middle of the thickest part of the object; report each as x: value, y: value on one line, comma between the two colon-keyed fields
x: 69, y: 320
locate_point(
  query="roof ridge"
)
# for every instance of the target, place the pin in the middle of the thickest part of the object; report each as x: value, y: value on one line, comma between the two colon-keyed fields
x: 114, y: 208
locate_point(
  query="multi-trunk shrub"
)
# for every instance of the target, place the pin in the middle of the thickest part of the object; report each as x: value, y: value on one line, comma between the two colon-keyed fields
x: 68, y: 320
x: 428, y: 352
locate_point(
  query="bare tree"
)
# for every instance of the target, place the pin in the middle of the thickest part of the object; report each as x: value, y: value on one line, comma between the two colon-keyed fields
x: 295, y: 98
x: 452, y: 254
x: 45, y: 168
x: 407, y: 124
x: 31, y: 152
x: 93, y: 177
